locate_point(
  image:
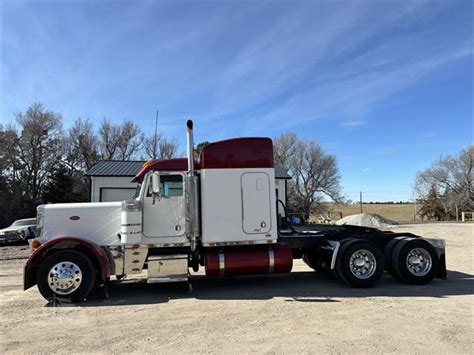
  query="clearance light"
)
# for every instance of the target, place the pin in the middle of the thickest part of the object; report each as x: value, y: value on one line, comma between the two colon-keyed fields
x: 148, y: 163
x: 34, y: 244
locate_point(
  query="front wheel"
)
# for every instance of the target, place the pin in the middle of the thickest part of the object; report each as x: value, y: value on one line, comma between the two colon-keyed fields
x: 66, y: 274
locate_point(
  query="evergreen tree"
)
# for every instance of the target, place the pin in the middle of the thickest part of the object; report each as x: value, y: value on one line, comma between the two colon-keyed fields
x: 65, y: 185
x: 432, y: 207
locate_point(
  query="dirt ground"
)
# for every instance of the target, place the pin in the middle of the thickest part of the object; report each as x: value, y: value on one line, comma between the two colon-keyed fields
x: 302, y: 312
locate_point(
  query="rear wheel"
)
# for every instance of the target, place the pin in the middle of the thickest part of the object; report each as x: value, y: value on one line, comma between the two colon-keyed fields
x: 342, y: 246
x: 360, y: 263
x: 388, y: 251
x: 66, y: 274
x: 415, y: 261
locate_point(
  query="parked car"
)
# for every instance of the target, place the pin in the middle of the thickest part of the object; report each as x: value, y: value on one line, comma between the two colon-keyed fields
x: 19, y: 231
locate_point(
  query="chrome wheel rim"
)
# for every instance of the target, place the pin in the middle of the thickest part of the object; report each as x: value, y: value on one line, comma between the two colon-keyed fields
x: 419, y: 262
x: 64, y: 278
x: 362, y: 264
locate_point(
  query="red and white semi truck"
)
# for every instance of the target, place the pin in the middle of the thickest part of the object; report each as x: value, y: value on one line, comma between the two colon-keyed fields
x: 219, y: 212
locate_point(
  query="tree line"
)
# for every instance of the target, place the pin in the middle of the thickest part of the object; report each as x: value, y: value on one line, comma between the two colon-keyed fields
x: 42, y: 162
x: 446, y: 188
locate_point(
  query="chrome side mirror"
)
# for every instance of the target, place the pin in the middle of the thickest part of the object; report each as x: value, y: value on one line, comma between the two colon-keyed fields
x: 155, y: 183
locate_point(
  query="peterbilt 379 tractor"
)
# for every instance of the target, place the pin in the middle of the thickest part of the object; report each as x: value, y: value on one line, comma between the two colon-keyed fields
x: 218, y: 211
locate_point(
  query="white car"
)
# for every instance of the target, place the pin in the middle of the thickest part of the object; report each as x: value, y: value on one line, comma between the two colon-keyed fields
x: 20, y: 230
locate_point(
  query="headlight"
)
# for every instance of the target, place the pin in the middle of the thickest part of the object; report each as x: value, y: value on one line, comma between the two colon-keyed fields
x: 132, y: 206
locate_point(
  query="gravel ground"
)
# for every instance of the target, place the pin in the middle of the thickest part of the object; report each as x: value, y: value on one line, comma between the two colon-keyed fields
x: 300, y: 312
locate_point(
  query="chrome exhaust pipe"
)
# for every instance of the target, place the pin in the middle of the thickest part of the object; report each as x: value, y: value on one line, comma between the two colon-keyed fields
x: 192, y: 208
x: 190, y: 147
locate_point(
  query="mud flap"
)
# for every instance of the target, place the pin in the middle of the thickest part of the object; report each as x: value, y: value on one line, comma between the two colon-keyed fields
x: 440, y: 246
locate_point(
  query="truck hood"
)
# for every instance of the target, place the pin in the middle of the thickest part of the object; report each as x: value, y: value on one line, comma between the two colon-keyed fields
x: 97, y: 221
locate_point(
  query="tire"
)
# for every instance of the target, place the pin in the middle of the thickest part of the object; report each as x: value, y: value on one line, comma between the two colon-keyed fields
x: 311, y: 260
x: 343, y: 245
x: 362, y: 251
x: 422, y: 269
x: 79, y: 276
x: 388, y: 251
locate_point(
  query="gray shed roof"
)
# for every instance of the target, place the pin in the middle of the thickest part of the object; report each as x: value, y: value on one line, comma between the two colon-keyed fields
x: 115, y: 168
x: 131, y: 168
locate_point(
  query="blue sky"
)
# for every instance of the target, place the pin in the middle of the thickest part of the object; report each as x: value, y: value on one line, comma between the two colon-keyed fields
x: 386, y: 86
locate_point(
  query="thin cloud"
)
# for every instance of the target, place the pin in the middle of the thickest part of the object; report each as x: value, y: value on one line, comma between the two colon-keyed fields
x: 354, y: 123
x: 428, y: 134
x: 311, y: 63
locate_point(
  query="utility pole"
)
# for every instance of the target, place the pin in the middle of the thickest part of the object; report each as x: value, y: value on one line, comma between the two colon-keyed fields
x: 155, y: 140
x: 360, y: 199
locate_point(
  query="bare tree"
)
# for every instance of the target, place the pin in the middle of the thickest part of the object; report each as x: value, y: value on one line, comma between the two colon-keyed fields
x: 168, y: 148
x: 10, y: 189
x: 82, y: 145
x: 121, y: 141
x: 314, y: 173
x: 109, y: 139
x: 8, y: 149
x: 150, y: 146
x: 130, y: 141
x: 39, y: 146
x: 160, y: 147
x: 452, y: 177
x: 283, y: 149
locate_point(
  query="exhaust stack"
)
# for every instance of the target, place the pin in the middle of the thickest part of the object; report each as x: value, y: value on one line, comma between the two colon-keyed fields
x: 192, y: 208
x: 190, y: 147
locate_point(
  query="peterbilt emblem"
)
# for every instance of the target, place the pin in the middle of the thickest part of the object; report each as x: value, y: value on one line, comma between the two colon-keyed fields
x: 74, y: 218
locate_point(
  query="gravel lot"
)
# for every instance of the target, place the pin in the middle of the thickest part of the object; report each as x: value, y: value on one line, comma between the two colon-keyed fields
x: 300, y: 312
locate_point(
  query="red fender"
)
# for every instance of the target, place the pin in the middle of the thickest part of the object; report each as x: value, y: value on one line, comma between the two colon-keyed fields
x: 99, y: 257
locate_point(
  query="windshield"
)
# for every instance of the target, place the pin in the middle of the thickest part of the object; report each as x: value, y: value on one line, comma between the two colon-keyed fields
x: 137, y: 191
x: 27, y: 222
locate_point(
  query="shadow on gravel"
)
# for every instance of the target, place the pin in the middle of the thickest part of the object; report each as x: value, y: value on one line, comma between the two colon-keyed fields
x: 297, y: 287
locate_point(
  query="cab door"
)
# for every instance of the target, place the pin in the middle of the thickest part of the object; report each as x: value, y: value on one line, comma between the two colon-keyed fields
x: 164, y: 215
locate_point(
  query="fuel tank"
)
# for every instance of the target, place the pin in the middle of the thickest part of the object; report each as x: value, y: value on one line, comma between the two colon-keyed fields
x: 248, y: 260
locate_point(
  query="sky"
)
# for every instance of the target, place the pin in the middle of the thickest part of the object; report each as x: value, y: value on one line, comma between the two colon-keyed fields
x: 385, y: 86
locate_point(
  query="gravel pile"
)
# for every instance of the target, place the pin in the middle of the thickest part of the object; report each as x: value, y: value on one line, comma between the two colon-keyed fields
x: 367, y: 220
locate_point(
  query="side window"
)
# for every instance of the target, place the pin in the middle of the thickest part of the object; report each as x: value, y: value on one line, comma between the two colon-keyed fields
x: 170, y: 186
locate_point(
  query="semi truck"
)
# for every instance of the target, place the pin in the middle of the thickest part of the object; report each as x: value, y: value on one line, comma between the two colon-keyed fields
x: 219, y: 211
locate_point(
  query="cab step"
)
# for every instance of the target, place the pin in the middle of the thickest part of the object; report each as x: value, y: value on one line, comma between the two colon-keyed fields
x: 167, y: 268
